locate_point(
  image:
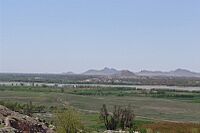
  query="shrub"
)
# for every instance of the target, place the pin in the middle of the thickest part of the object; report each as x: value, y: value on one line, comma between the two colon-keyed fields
x: 68, y: 121
x: 121, y: 117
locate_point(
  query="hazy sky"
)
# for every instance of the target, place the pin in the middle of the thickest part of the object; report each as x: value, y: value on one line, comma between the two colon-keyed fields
x: 75, y: 35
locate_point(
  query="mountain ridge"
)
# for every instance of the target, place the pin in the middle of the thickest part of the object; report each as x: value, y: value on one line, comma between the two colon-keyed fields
x: 175, y: 73
x: 127, y: 73
x: 105, y: 71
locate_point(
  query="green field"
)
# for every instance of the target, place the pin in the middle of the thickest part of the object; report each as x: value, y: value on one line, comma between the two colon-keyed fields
x: 180, y: 106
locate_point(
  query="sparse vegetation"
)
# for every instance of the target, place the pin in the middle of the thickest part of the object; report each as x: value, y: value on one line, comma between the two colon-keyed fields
x: 171, y: 127
x: 119, y: 118
x: 189, y: 96
x: 27, y: 108
x: 155, y: 105
x: 68, y: 121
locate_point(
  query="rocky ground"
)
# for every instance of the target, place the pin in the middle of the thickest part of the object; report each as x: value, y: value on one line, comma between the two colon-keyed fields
x: 14, y: 122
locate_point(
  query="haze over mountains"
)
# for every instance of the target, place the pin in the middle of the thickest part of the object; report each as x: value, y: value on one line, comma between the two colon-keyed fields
x: 110, y: 72
x: 106, y: 71
x: 176, y: 73
x: 126, y: 73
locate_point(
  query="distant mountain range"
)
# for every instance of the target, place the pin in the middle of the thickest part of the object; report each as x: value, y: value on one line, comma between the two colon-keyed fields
x: 176, y: 73
x: 110, y: 72
x: 69, y: 73
x: 106, y: 72
x: 126, y: 73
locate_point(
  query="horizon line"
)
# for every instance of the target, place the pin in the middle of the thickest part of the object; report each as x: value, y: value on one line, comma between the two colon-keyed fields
x: 80, y: 73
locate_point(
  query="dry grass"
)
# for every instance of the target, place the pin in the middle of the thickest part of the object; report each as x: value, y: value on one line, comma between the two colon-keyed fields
x: 171, y: 127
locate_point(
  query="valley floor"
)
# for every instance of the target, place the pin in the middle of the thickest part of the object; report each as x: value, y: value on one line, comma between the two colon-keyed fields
x: 147, y: 108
